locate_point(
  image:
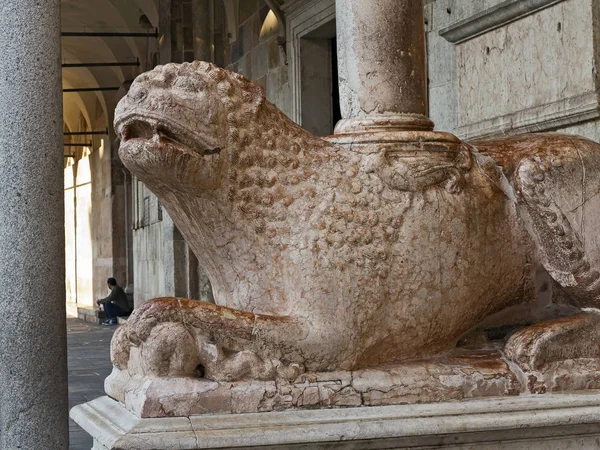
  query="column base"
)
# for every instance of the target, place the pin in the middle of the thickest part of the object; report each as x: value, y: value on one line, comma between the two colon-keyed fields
x: 405, y: 141
x: 384, y: 123
x: 548, y: 422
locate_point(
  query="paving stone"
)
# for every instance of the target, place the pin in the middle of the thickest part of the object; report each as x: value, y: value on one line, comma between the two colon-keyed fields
x: 89, y: 364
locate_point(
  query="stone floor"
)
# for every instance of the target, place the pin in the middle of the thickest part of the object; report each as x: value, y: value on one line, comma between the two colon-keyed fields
x: 89, y: 365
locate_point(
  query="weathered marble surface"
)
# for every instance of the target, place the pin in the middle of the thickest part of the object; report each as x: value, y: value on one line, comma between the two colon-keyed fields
x: 466, y: 374
x: 550, y: 422
x: 351, y: 251
x: 470, y: 375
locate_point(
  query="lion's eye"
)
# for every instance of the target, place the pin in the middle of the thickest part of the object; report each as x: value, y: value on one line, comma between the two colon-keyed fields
x: 138, y: 93
x: 186, y: 84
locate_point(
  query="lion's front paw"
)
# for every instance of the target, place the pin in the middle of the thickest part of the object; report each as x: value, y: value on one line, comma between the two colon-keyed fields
x: 119, y: 348
x: 169, y: 351
x: 220, y: 365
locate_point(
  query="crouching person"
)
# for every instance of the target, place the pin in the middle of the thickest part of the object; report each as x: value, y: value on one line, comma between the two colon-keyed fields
x: 115, y: 304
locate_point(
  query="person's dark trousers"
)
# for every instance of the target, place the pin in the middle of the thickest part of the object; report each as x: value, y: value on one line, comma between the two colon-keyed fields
x: 112, y: 310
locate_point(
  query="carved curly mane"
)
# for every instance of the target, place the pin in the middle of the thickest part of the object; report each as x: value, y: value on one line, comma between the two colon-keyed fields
x: 241, y: 99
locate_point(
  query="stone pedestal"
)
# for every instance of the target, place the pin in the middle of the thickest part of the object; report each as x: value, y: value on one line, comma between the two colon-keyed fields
x: 549, y: 422
x: 33, y: 355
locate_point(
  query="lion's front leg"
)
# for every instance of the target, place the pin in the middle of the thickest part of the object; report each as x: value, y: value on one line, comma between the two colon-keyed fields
x: 183, y: 338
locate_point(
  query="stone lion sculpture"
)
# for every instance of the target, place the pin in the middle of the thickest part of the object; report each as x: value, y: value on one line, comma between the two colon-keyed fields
x: 335, y: 254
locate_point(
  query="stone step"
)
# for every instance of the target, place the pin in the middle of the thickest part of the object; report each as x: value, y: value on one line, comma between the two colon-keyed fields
x: 96, y: 316
x: 91, y: 315
x: 532, y: 422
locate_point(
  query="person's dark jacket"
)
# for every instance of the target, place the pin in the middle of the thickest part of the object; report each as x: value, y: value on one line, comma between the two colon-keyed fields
x: 119, y: 297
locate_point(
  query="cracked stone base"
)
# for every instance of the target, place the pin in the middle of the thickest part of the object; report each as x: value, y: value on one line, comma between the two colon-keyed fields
x: 531, y: 422
x: 474, y: 374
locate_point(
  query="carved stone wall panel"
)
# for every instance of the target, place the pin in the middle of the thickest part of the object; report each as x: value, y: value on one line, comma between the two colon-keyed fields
x: 480, y: 21
x: 526, y: 76
x: 441, y: 66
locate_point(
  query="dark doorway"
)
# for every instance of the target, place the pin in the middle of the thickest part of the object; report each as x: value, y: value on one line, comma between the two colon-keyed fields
x: 320, y: 96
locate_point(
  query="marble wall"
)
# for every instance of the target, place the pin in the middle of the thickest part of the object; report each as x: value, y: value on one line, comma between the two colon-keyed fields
x: 533, y: 71
x: 441, y: 61
x: 519, y: 66
x: 256, y: 53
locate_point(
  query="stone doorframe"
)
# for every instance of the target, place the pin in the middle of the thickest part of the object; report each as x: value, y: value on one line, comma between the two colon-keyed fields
x: 302, y: 17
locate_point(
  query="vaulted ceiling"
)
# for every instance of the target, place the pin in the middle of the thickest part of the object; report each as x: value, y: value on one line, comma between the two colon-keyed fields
x: 93, y: 110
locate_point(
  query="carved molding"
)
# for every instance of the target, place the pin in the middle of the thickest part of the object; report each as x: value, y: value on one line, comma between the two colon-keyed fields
x: 492, y: 18
x: 548, y: 117
x: 289, y: 6
x: 555, y: 421
x: 275, y: 6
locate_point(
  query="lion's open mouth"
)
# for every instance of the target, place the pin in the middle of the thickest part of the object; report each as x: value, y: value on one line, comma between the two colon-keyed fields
x: 135, y: 130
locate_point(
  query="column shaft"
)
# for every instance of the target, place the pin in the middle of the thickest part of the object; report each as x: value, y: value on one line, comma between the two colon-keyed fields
x: 381, y: 54
x: 33, y: 352
x: 164, y: 30
x: 202, y: 29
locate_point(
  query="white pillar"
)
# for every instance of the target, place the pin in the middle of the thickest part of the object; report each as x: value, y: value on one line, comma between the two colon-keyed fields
x: 382, y: 69
x: 33, y: 351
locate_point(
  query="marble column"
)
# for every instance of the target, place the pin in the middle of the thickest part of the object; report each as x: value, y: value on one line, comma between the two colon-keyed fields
x: 164, y: 31
x: 382, y: 67
x: 33, y: 351
x: 202, y: 28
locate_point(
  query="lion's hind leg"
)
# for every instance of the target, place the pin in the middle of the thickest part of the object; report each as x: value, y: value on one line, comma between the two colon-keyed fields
x: 557, y: 192
x: 574, y: 337
x: 557, y: 186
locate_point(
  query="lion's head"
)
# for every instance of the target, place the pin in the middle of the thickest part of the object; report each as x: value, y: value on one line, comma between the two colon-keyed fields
x: 182, y: 121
